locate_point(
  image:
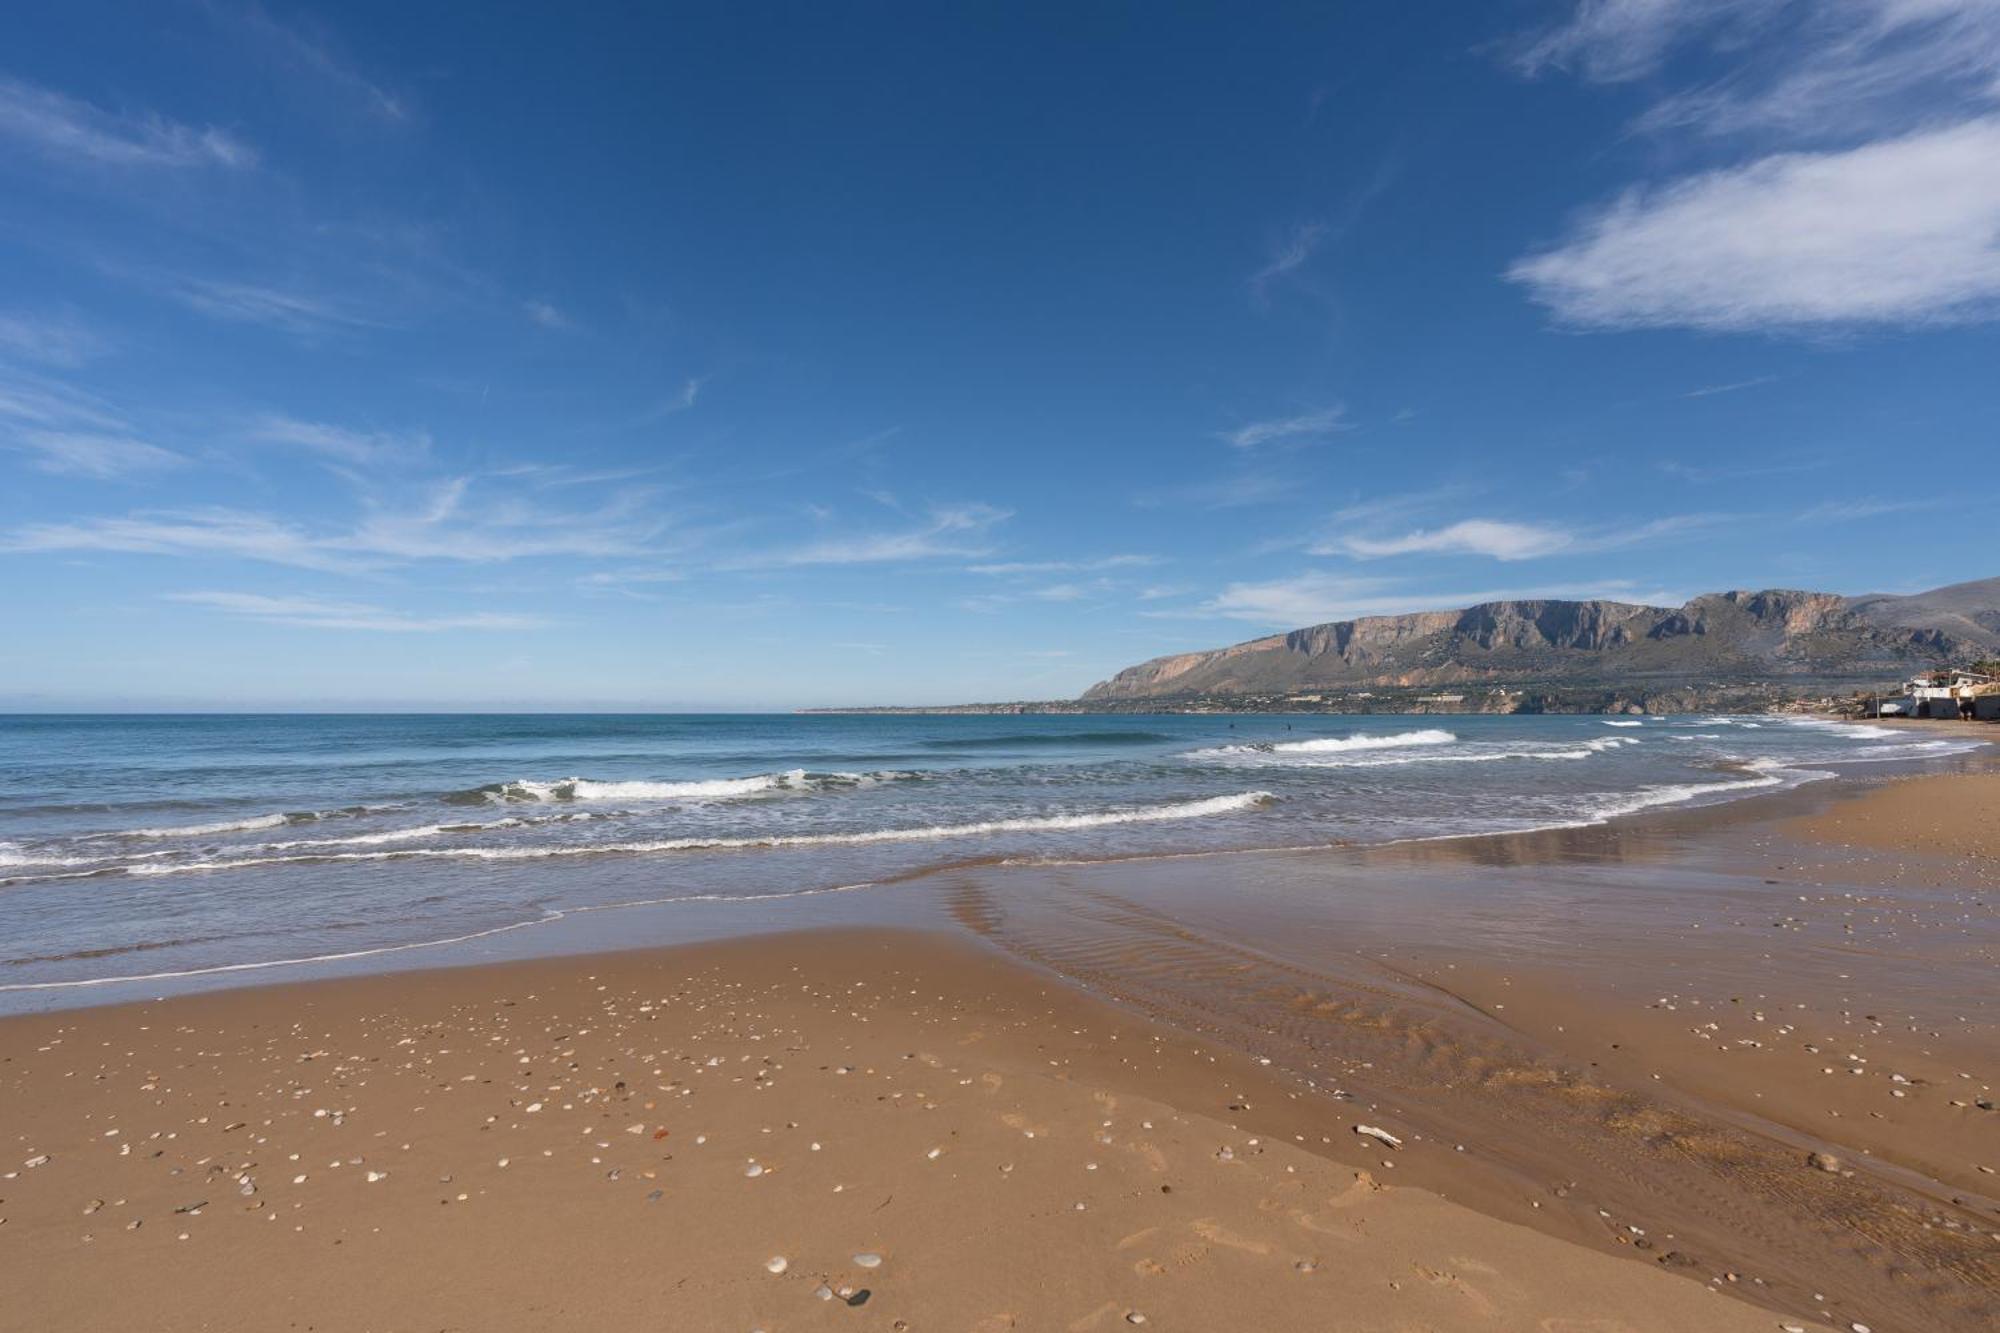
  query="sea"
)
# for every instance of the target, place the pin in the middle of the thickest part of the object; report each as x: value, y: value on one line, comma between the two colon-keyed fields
x: 160, y: 847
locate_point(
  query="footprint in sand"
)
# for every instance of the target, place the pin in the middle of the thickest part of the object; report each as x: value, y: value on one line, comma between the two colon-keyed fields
x: 1452, y: 1282
x: 1209, y: 1229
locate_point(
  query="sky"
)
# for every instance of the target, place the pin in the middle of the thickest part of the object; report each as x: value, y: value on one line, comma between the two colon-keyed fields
x: 775, y: 355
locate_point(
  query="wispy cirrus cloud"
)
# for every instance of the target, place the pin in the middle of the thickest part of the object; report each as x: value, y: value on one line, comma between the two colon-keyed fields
x: 1611, y: 41
x: 548, y: 316
x: 325, y: 613
x: 342, y: 444
x: 274, y: 307
x: 1302, y: 426
x: 83, y: 454
x: 1101, y: 563
x: 62, y: 430
x: 209, y: 531
x: 313, y: 54
x: 75, y: 132
x: 948, y: 532
x: 51, y: 340
x: 1288, y: 254
x: 1318, y: 597
x: 1711, y: 390
x: 446, y: 522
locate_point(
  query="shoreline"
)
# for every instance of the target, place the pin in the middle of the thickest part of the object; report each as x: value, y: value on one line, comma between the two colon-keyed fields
x: 1558, y: 1005
x: 1752, y: 803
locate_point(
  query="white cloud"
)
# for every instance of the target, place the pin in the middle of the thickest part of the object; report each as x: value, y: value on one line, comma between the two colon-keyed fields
x: 275, y: 307
x: 1290, y: 253
x: 73, y: 131
x: 312, y: 54
x: 1905, y: 231
x: 1616, y: 40
x: 1324, y: 422
x: 444, y: 525
x: 1472, y: 536
x: 953, y: 531
x: 55, y: 340
x: 341, y: 443
x: 223, y: 532
x: 548, y: 316
x: 318, y: 613
x: 82, y: 454
x: 1499, y: 539
x: 1318, y: 597
x: 1066, y: 566
x: 1862, y: 66
x: 1711, y: 390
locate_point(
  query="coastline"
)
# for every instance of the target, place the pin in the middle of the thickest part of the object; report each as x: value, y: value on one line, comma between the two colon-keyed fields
x: 1507, y: 994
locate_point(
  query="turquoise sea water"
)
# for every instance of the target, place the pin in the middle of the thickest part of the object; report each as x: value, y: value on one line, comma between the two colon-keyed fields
x: 155, y: 846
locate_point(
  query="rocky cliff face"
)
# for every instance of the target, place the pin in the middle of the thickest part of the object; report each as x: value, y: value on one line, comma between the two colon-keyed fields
x: 1716, y: 639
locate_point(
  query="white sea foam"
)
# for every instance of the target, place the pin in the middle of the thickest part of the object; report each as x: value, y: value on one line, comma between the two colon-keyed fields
x: 1329, y: 744
x: 1421, y: 752
x: 204, y: 830
x: 699, y: 789
x: 1612, y: 723
x: 1213, y: 805
x: 1850, y: 730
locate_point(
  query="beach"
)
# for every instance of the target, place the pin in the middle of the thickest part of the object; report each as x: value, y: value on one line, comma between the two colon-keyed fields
x: 1726, y: 1069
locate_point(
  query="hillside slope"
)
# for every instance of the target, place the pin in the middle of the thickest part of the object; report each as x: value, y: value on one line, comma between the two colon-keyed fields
x: 1720, y: 638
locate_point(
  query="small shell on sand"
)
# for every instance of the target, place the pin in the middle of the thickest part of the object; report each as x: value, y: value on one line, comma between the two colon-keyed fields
x: 777, y: 1263
x: 868, y: 1259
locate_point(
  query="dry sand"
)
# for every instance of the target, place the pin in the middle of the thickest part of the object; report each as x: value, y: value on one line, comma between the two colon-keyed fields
x: 918, y: 1135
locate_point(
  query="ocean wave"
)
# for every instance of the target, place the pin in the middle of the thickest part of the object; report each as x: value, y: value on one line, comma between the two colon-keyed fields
x: 1759, y: 773
x: 13, y: 854
x: 698, y: 789
x: 1423, y: 747
x: 1614, y: 723
x: 249, y: 824
x: 1213, y: 805
x: 1328, y: 744
x: 1849, y: 730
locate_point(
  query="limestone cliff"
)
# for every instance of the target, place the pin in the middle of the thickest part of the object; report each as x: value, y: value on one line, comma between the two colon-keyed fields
x: 1720, y: 638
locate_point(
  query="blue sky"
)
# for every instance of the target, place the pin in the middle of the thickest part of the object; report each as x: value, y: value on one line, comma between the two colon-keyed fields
x: 760, y: 356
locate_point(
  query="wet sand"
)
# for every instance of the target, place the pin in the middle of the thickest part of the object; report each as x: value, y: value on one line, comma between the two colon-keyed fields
x: 1720, y: 1070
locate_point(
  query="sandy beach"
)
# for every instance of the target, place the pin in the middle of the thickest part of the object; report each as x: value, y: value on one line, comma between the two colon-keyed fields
x: 1760, y: 1099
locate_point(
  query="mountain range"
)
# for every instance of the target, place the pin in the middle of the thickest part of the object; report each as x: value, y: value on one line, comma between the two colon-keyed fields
x: 1778, y: 637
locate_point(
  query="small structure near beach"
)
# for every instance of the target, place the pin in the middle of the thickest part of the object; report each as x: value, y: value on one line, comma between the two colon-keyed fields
x: 1950, y: 693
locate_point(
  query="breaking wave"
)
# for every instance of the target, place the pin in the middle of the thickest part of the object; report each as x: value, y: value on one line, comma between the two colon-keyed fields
x: 703, y: 789
x: 246, y: 825
x: 1330, y: 744
x: 1214, y: 805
